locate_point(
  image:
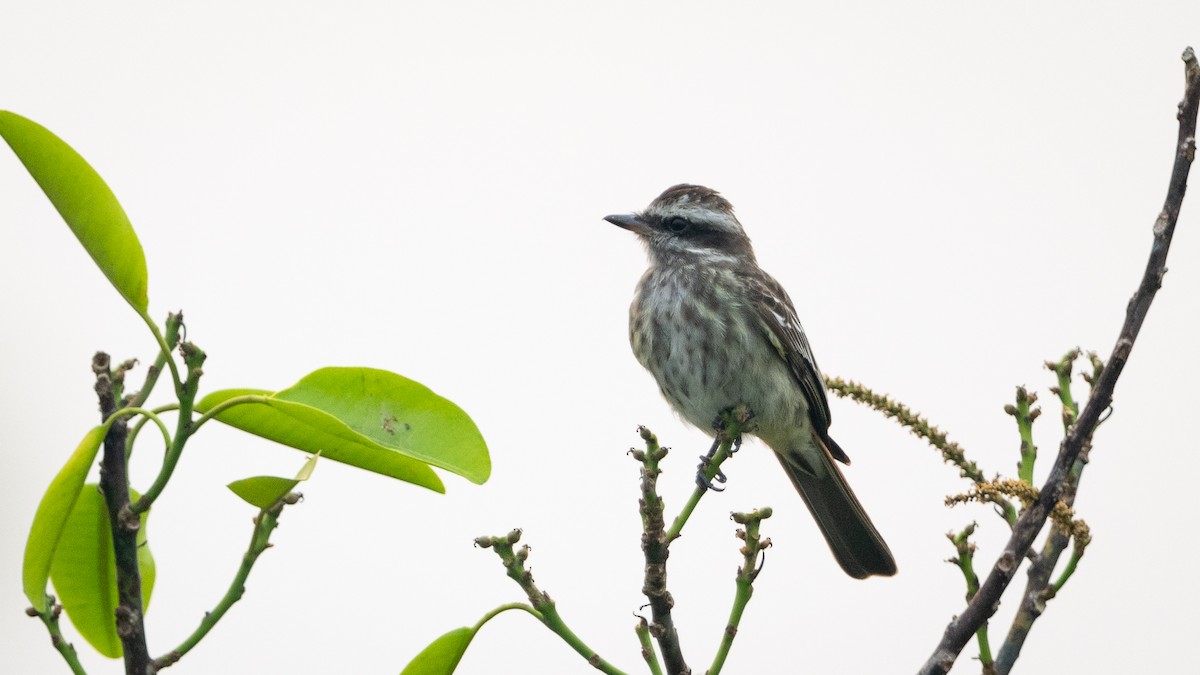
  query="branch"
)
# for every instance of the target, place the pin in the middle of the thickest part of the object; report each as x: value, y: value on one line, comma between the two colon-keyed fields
x: 193, y: 358
x: 1037, y: 588
x: 1027, y: 527
x: 746, y: 575
x: 114, y: 483
x: 544, y: 608
x: 965, y: 561
x: 50, y: 619
x: 655, y: 547
x: 264, y: 523
x: 656, y: 539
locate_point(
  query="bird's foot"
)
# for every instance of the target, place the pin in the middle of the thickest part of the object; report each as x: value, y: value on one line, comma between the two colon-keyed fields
x: 702, y: 471
x: 702, y: 476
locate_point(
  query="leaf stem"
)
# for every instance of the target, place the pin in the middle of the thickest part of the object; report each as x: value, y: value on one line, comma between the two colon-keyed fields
x: 504, y: 608
x: 174, y: 321
x: 146, y: 415
x: 137, y: 428
x: 165, y: 344
x: 225, y: 405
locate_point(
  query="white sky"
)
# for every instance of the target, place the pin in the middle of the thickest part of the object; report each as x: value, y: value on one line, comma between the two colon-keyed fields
x: 952, y: 193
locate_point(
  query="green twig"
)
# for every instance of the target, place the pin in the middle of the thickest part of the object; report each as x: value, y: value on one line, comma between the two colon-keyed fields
x: 1025, y: 415
x: 965, y: 563
x: 514, y: 564
x: 643, y: 633
x: 50, y: 619
x: 260, y: 540
x: 1064, y: 529
x: 1080, y: 545
x: 745, y: 579
x: 193, y: 358
x: 734, y: 422
x: 1062, y: 371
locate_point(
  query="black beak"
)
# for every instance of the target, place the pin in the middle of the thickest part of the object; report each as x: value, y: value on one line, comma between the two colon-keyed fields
x: 631, y: 222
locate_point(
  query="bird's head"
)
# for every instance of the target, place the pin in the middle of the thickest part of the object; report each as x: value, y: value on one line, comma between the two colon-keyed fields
x: 689, y: 221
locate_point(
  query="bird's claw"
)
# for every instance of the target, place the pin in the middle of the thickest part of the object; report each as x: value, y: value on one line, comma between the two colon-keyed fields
x: 702, y: 478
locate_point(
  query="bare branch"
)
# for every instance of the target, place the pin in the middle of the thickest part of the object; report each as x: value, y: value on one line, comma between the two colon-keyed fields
x: 1033, y: 519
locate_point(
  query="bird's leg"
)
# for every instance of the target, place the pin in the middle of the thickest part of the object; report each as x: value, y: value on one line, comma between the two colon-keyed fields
x: 706, y: 459
x: 739, y: 414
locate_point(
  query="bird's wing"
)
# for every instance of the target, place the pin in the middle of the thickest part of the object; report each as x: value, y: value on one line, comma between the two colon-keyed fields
x: 778, y: 318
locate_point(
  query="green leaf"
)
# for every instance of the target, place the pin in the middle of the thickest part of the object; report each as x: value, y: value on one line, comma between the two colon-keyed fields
x: 264, y: 491
x: 311, y: 430
x: 52, y: 514
x: 442, y: 655
x: 400, y: 414
x: 84, y: 201
x: 84, y: 571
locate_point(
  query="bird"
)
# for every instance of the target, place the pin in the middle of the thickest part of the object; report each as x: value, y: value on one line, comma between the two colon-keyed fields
x: 716, y: 332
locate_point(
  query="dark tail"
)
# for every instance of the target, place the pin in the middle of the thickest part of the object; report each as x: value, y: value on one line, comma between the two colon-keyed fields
x: 855, y: 542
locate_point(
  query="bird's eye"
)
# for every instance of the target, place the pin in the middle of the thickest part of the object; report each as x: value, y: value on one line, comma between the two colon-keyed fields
x: 678, y: 225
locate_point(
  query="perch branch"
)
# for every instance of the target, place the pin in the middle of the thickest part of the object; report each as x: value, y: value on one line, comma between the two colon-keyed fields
x: 1031, y: 521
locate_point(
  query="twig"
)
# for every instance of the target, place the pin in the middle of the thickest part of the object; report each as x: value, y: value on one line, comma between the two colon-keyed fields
x: 733, y: 422
x: 746, y: 575
x: 656, y: 540
x: 114, y: 483
x: 965, y: 561
x: 1025, y: 414
x: 643, y: 633
x: 193, y: 358
x: 1038, y: 590
x: 655, y: 548
x: 1031, y: 521
x: 50, y: 618
x: 544, y: 608
x: 260, y: 540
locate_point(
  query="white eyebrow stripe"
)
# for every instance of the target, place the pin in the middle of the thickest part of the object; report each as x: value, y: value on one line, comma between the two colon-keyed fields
x: 697, y: 214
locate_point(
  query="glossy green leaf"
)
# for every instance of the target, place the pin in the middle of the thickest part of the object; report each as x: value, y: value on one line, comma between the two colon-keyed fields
x: 84, y: 201
x: 400, y: 414
x: 311, y: 430
x: 84, y: 571
x: 52, y: 514
x: 264, y: 491
x: 442, y: 655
